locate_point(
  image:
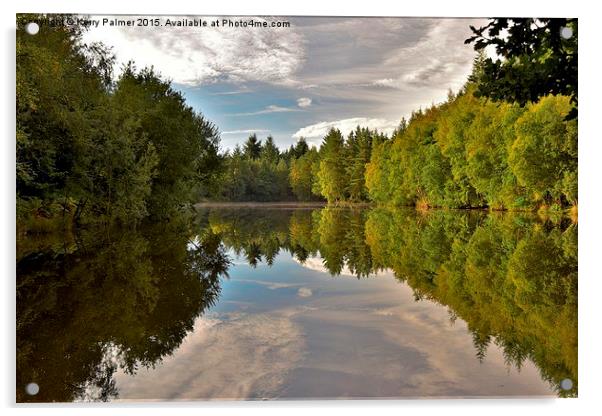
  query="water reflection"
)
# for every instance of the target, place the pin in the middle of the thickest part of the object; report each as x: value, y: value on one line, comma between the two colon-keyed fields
x: 131, y: 306
x: 105, y: 299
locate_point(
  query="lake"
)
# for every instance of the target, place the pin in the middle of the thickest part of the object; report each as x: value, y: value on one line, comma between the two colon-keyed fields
x: 301, y: 303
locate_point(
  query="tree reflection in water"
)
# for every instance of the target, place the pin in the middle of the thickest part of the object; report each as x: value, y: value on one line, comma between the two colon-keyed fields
x: 108, y: 299
x: 512, y: 277
x: 105, y: 299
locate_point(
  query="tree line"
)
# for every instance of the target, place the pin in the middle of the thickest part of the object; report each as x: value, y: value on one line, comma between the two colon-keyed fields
x: 466, y: 152
x: 506, y: 140
x: 335, y: 172
x: 94, y: 147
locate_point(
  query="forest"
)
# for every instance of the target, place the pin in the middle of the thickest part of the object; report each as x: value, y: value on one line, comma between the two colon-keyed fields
x: 95, y: 147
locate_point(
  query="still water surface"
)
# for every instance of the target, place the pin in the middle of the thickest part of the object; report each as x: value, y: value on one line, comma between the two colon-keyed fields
x: 301, y: 303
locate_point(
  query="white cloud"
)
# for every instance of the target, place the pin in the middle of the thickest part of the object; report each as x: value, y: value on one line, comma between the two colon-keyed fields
x: 304, y: 102
x: 304, y: 292
x: 384, y: 82
x: 267, y: 110
x: 234, y: 92
x: 319, y: 130
x: 200, y: 55
x: 316, y: 263
x: 246, y: 131
x: 440, y: 59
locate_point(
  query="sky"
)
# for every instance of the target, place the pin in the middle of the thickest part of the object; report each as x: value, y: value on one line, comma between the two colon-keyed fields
x: 289, y: 82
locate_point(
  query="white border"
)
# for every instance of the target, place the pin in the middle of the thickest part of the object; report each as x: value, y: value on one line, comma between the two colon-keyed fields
x: 590, y: 278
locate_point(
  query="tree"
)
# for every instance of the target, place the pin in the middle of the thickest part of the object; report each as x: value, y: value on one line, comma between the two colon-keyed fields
x: 358, y: 152
x: 332, y: 177
x: 537, y: 57
x: 186, y: 143
x: 378, y: 172
x: 300, y: 148
x: 301, y: 175
x: 252, y: 147
x: 92, y: 148
x: 544, y: 154
x: 269, y: 151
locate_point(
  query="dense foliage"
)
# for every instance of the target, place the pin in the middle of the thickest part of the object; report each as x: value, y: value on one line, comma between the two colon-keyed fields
x: 91, y: 147
x: 536, y: 57
x: 255, y: 173
x: 335, y: 172
x: 468, y: 152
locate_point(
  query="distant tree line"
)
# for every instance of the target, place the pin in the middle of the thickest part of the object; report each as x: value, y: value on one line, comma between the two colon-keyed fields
x: 335, y: 172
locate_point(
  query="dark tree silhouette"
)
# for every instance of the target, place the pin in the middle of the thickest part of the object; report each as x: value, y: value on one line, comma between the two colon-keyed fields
x: 537, y: 57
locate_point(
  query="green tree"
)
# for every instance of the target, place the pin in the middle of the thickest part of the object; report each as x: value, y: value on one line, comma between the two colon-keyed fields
x: 544, y: 154
x: 332, y: 177
x: 270, y: 151
x: 358, y: 152
x: 301, y: 175
x: 537, y: 57
x: 300, y: 148
x: 252, y: 147
x: 378, y: 172
x: 91, y: 148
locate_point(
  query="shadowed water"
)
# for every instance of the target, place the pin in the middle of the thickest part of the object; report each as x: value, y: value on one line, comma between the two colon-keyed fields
x: 300, y: 303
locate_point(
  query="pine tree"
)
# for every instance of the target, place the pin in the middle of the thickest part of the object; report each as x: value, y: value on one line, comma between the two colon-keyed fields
x: 269, y: 151
x: 252, y: 147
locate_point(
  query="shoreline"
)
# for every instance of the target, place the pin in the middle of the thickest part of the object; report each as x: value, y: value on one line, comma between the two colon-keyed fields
x: 254, y: 204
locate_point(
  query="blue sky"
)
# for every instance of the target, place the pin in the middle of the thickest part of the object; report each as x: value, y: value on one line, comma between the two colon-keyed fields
x: 321, y: 72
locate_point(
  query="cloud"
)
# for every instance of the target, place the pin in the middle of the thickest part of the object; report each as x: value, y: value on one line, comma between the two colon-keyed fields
x: 319, y: 130
x: 438, y: 59
x: 304, y: 102
x: 269, y: 109
x: 246, y: 131
x: 269, y: 284
x: 422, y: 76
x: 304, y: 292
x: 240, y: 91
x: 233, y: 356
x: 384, y: 82
x: 201, y: 55
x: 316, y: 263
